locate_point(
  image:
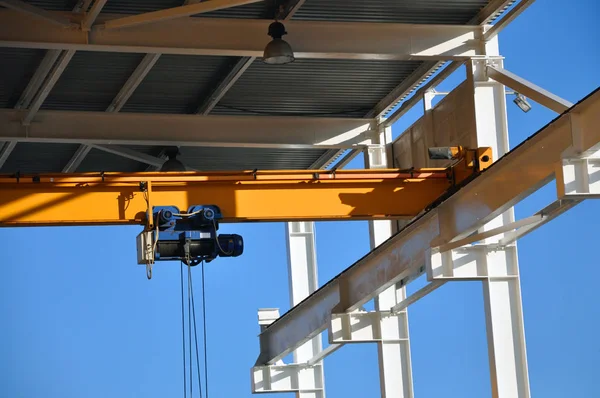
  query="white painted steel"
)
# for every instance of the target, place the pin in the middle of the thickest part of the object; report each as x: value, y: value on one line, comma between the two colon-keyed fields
x: 302, y: 276
x: 501, y: 285
x: 369, y: 327
x: 528, y: 89
x: 507, y: 18
x: 466, y: 211
x: 57, y: 70
x: 104, y: 128
x: 207, y: 36
x: 130, y: 154
x: 37, y: 79
x: 91, y: 16
x: 76, y: 159
x: 416, y: 97
x: 5, y: 151
x: 133, y: 82
x: 579, y: 179
x: 173, y: 13
x: 393, y: 346
x: 416, y: 296
x: 305, y: 376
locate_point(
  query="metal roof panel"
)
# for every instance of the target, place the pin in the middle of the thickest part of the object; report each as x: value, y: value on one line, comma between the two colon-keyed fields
x: 31, y: 158
x: 314, y: 87
x: 398, y: 11
x: 17, y: 66
x: 91, y: 81
x: 215, y: 159
x: 176, y: 84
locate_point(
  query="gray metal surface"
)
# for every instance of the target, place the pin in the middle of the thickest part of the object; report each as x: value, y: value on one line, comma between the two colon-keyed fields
x: 91, y: 81
x: 51, y: 158
x: 176, y: 84
x: 336, y: 88
x: 401, y: 11
x: 17, y: 66
x: 248, y: 158
x: 257, y: 10
x: 38, y: 158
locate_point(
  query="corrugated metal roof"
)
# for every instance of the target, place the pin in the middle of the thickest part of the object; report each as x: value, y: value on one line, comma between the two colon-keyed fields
x: 34, y: 158
x: 248, y: 158
x: 54, y: 5
x: 314, y: 87
x: 400, y: 11
x: 38, y: 158
x: 128, y: 7
x: 405, y: 11
x: 17, y: 66
x: 176, y: 84
x: 91, y: 80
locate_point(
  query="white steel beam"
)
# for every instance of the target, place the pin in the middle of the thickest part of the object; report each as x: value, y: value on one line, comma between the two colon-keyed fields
x: 465, y: 211
x: 37, y: 79
x: 133, y: 82
x: 183, y: 130
x: 303, y: 281
x: 416, y: 296
x: 91, y: 16
x: 60, y: 66
x: 5, y: 151
x: 404, y: 89
x: 508, y: 18
x: 501, y: 283
x: 418, y: 95
x: 131, y: 154
x: 395, y: 370
x: 236, y: 71
x: 173, y: 13
x: 411, y: 83
x: 118, y: 102
x: 37, y: 13
x: 528, y: 89
x: 76, y: 159
x: 207, y: 36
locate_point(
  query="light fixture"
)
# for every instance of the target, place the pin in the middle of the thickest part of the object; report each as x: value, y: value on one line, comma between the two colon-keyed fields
x: 278, y: 51
x: 172, y: 164
x: 522, y: 103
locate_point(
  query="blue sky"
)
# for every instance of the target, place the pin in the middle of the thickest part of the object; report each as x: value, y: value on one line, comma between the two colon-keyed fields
x: 79, y: 319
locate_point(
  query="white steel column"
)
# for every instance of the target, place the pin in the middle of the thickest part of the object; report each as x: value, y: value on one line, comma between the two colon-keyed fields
x: 302, y: 274
x: 502, y: 294
x: 395, y: 371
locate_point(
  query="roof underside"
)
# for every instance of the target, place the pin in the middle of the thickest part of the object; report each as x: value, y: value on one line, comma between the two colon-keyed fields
x: 179, y: 84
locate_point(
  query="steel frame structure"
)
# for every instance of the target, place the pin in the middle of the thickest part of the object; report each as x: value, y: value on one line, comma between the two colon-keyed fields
x: 469, y: 235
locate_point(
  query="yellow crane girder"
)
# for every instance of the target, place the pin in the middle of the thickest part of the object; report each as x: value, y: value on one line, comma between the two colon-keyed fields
x: 280, y: 195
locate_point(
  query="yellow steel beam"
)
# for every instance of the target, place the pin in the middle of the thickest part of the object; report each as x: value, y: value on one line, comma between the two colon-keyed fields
x: 119, y: 198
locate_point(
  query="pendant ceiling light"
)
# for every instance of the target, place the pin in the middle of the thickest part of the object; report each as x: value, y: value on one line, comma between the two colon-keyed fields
x: 278, y: 51
x: 172, y: 164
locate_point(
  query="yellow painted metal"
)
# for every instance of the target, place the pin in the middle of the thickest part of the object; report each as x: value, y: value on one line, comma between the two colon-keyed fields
x: 119, y: 198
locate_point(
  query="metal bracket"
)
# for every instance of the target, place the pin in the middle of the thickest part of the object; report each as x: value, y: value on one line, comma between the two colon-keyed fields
x: 472, y: 263
x: 284, y: 377
x: 365, y: 327
x: 579, y: 178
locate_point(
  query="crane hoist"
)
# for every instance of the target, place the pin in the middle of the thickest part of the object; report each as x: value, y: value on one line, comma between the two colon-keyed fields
x: 181, y: 211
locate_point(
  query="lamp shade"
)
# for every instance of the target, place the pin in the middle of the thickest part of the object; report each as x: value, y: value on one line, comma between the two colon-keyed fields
x: 173, y: 164
x: 278, y: 51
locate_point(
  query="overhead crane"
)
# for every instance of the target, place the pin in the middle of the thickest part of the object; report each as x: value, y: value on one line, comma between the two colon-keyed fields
x: 181, y: 211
